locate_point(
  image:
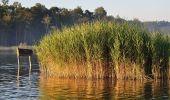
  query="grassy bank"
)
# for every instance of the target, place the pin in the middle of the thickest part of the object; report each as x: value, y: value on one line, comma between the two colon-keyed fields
x: 104, y: 50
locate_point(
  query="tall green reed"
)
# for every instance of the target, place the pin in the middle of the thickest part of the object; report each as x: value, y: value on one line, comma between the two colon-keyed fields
x: 104, y: 50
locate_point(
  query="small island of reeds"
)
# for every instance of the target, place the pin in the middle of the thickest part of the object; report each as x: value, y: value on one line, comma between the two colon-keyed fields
x: 100, y: 50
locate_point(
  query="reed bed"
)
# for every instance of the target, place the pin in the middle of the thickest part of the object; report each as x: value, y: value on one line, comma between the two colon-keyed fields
x: 104, y: 50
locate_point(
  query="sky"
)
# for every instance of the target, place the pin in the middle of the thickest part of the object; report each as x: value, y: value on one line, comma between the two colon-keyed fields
x: 144, y: 10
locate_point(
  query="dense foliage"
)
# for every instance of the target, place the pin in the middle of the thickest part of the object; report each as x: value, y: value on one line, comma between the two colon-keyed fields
x: 19, y: 24
x: 27, y: 25
x: 105, y: 50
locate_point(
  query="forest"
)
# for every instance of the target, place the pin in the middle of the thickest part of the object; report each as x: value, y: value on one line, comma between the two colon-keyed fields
x: 20, y: 24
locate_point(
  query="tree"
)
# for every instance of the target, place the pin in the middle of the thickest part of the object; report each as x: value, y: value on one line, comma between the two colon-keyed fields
x: 7, y: 18
x: 78, y: 11
x: 40, y: 6
x: 88, y: 14
x: 100, y: 12
x: 16, y: 4
x: 38, y: 12
x: 54, y: 13
x: 65, y: 13
x: 55, y: 9
x: 5, y: 2
x: 46, y: 20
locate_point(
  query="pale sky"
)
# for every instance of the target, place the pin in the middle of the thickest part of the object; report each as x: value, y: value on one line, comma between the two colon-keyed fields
x: 144, y: 10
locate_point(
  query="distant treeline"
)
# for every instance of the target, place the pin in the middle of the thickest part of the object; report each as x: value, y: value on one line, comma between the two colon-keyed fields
x: 27, y: 25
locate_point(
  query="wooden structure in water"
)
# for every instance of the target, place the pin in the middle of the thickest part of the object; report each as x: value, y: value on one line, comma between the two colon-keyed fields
x: 24, y: 52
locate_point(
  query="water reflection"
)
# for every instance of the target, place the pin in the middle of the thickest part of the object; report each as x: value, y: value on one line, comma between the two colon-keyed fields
x: 38, y: 87
x: 161, y: 90
x: 10, y: 87
x: 148, y: 90
x: 55, y: 89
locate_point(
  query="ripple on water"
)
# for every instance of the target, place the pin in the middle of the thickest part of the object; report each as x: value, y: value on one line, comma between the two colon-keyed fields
x: 26, y: 88
x: 37, y: 87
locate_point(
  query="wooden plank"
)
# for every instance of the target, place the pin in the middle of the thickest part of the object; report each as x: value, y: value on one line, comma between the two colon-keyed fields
x: 24, y: 52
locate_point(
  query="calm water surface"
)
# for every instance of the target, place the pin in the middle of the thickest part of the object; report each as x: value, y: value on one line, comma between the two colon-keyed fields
x: 36, y: 87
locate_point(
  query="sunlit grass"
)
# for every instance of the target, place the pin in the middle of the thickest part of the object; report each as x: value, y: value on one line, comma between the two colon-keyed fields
x: 104, y: 50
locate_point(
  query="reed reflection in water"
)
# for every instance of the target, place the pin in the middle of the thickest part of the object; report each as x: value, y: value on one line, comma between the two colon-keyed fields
x: 38, y: 87
x: 72, y: 89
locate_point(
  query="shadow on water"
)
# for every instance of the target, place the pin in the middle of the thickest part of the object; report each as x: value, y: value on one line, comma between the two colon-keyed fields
x: 148, y: 93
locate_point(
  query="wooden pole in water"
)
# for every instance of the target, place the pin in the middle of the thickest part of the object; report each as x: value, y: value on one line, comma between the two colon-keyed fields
x: 30, y: 64
x: 18, y: 65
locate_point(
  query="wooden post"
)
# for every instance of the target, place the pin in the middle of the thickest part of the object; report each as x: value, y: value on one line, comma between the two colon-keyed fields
x: 18, y: 74
x: 29, y: 58
x: 24, y: 52
x: 30, y: 66
x: 18, y: 58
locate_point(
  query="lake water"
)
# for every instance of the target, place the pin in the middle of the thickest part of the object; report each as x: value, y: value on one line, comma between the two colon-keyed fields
x: 35, y: 86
